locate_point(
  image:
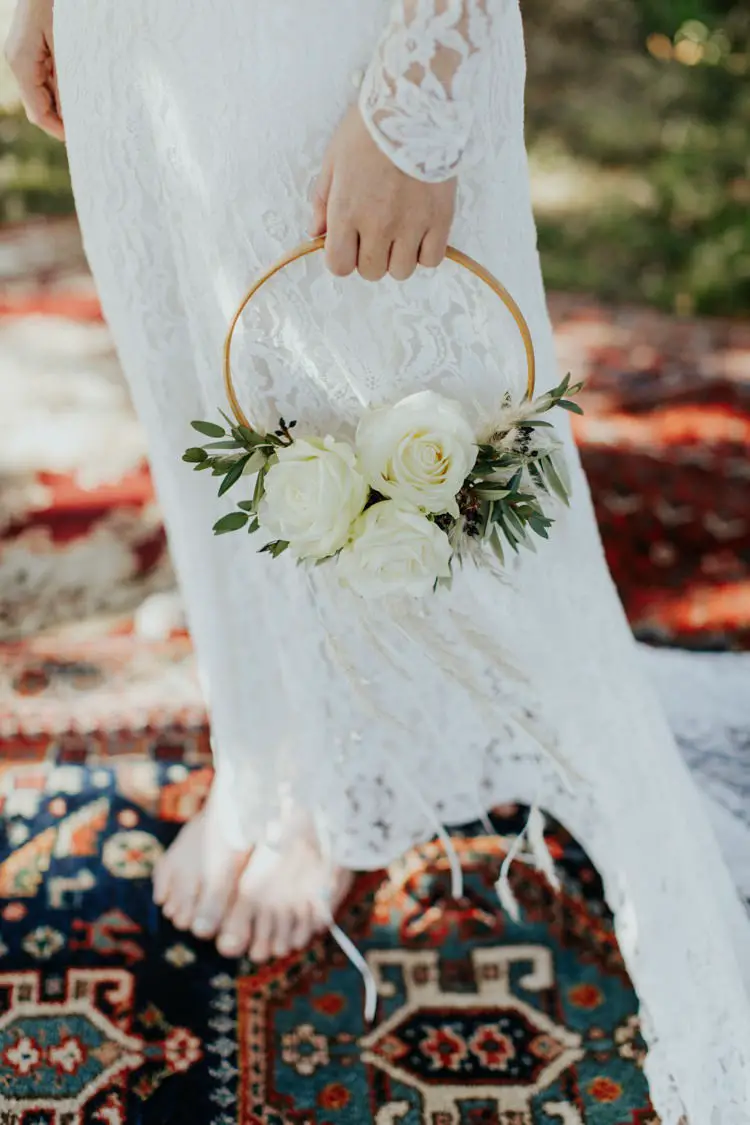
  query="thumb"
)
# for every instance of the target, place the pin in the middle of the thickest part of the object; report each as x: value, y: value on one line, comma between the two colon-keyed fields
x: 319, y: 223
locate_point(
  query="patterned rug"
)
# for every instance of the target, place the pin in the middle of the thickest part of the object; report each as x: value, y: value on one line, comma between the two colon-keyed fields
x: 109, y: 1015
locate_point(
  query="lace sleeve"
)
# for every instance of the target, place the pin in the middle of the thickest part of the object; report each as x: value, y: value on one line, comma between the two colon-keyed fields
x: 417, y: 97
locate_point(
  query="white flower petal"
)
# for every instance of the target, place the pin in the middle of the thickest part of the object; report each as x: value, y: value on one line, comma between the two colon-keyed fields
x: 418, y: 452
x: 394, y: 551
x: 312, y: 496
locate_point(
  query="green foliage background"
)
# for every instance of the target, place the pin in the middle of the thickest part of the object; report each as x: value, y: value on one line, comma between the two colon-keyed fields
x: 675, y: 133
x: 639, y: 139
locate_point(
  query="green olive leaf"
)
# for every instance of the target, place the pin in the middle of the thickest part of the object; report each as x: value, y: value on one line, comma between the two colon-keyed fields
x: 194, y: 455
x: 210, y: 429
x: 232, y: 522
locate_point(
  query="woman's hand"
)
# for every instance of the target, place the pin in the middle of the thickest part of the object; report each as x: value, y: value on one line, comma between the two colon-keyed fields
x: 376, y: 218
x: 30, y: 52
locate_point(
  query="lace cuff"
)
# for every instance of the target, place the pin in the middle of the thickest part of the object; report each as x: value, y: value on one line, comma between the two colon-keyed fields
x: 418, y: 94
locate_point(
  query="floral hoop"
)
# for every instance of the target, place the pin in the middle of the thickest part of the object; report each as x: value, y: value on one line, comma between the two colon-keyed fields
x: 415, y: 491
x: 317, y: 244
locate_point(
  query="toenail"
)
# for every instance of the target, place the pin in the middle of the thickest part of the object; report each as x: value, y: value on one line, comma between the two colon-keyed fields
x: 203, y: 927
x: 230, y: 947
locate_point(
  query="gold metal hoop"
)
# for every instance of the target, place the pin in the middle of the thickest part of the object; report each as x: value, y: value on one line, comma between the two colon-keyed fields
x: 317, y: 244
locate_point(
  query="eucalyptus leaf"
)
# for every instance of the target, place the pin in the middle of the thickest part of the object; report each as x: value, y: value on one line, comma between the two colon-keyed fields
x: 491, y: 493
x: 194, y: 455
x: 486, y: 514
x: 224, y: 445
x: 515, y: 481
x: 210, y: 429
x: 275, y: 548
x: 557, y: 486
x: 232, y: 522
x: 496, y: 544
x: 246, y: 505
x: 259, y: 488
x: 250, y: 437
x: 538, y: 527
x: 501, y: 523
x: 233, y: 475
x: 515, y: 522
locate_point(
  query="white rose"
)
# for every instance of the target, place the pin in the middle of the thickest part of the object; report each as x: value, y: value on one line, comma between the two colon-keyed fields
x: 418, y: 452
x: 394, y: 551
x: 312, y: 496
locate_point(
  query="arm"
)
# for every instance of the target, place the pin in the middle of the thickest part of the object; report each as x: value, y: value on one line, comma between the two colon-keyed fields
x: 418, y: 93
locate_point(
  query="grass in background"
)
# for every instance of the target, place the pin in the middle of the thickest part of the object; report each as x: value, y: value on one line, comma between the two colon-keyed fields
x: 33, y: 172
x: 639, y: 138
x: 647, y: 106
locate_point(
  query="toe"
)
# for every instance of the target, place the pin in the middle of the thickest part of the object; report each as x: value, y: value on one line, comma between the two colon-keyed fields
x: 162, y: 881
x: 236, y: 930
x: 184, y: 913
x: 302, y: 930
x: 182, y: 918
x: 207, y: 922
x: 212, y: 907
x: 283, y: 928
x: 171, y: 905
x: 260, y: 949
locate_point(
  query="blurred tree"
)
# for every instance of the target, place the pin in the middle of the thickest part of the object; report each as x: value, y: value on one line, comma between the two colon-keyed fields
x: 638, y: 127
x: 646, y: 104
x: 33, y: 171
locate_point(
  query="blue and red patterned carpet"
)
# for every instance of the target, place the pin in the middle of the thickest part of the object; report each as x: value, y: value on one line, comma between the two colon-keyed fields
x: 108, y: 1015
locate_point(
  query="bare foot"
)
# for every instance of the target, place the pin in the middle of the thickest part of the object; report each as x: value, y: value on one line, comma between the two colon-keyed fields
x: 285, y: 895
x: 263, y: 904
x: 196, y: 879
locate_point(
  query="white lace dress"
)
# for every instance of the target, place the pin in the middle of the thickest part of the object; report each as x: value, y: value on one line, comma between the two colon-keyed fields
x: 195, y: 133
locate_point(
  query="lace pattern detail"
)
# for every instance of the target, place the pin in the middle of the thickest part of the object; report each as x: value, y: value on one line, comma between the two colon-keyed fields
x: 419, y: 93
